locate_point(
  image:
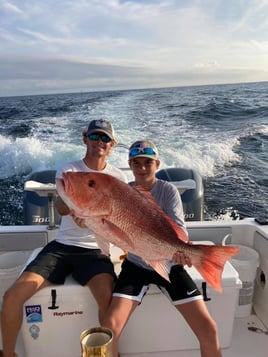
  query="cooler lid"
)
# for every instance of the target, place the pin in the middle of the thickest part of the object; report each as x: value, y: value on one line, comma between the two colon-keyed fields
x: 70, y: 287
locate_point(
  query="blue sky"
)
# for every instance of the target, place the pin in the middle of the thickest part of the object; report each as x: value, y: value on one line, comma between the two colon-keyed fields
x: 56, y: 46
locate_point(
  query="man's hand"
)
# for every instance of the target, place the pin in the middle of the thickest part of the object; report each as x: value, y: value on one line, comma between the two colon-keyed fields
x: 180, y: 258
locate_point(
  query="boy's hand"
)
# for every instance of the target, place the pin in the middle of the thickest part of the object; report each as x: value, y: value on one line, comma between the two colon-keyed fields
x: 180, y: 258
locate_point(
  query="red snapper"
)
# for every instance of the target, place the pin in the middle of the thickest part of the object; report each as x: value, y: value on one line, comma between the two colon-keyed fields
x: 120, y: 214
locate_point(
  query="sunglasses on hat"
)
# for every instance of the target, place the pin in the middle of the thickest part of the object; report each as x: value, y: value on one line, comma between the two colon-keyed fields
x: 137, y: 151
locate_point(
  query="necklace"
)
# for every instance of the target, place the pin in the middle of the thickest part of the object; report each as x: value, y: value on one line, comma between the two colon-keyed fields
x: 97, y: 166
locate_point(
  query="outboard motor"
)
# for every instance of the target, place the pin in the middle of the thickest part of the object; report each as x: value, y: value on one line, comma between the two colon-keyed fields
x: 36, y: 207
x: 190, y: 186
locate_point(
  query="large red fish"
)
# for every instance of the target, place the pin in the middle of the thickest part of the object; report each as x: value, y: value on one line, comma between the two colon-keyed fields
x: 119, y: 214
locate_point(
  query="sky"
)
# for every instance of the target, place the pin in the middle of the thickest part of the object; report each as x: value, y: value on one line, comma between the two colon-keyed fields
x: 64, y: 46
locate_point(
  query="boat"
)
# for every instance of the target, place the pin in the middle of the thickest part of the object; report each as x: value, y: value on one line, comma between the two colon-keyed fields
x: 56, y: 316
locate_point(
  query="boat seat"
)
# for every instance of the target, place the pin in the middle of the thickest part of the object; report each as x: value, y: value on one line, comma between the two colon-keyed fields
x: 16, y: 241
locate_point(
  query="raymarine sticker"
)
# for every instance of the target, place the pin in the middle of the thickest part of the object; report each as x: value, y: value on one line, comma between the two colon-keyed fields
x: 33, y: 313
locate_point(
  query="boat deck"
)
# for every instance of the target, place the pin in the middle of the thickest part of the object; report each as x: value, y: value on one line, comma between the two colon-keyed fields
x: 245, y: 343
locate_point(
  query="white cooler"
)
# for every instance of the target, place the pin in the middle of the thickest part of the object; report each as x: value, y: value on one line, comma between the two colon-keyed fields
x: 157, y: 326
x: 54, y: 318
x: 54, y: 328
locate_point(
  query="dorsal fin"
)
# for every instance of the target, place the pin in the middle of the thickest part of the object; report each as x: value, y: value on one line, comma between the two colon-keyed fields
x: 181, y: 234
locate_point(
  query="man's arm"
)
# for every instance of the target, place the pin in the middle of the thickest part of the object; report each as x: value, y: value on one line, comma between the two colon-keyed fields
x: 63, y: 210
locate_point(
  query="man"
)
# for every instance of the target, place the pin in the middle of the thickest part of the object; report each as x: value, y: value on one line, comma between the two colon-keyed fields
x: 136, y: 275
x: 74, y: 249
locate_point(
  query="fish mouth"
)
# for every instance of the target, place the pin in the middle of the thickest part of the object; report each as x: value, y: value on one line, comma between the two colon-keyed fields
x: 65, y: 182
x: 62, y: 184
x: 66, y: 185
x: 64, y: 191
x: 61, y: 187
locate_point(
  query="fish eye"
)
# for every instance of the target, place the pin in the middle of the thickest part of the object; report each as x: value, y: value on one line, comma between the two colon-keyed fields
x: 91, y: 183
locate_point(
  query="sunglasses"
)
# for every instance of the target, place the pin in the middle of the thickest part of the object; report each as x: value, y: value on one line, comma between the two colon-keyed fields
x: 94, y: 137
x: 146, y: 151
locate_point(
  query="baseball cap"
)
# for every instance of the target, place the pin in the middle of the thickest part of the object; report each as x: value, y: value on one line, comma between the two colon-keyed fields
x: 101, y: 126
x: 143, y: 148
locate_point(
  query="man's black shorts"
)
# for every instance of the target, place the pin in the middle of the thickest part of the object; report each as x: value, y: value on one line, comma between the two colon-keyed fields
x: 57, y: 260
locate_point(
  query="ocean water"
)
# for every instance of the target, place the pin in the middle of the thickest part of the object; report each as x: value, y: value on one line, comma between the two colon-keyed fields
x: 221, y: 131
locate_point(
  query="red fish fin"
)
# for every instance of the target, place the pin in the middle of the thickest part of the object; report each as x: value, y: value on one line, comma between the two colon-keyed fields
x: 211, y: 263
x: 181, y: 233
x: 103, y: 244
x: 162, y: 267
x: 119, y: 237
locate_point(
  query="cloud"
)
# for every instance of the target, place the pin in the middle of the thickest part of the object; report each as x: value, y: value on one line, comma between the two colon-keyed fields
x: 130, y: 44
x: 10, y: 8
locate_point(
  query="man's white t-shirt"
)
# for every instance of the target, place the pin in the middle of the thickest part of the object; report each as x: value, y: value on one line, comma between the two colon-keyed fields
x: 69, y: 232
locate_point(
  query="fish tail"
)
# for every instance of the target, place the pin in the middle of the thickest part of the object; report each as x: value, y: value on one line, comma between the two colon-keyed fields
x: 211, y: 263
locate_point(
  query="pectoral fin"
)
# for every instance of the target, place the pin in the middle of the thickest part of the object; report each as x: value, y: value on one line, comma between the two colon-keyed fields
x: 103, y: 244
x: 117, y: 236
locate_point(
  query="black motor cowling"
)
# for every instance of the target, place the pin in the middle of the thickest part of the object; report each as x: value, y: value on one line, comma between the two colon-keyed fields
x: 35, y: 208
x: 192, y: 198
